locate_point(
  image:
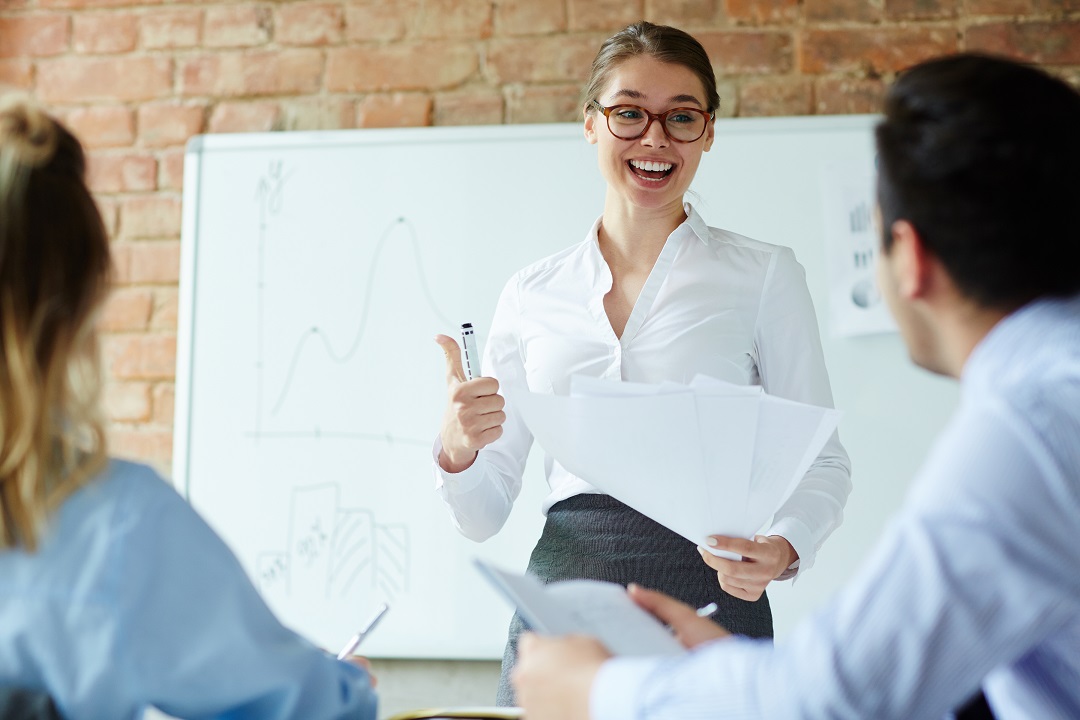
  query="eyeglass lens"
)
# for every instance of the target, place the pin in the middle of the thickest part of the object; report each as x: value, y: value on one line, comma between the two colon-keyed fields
x: 682, y: 124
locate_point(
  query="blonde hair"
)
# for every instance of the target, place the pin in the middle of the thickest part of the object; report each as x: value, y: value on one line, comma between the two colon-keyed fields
x: 54, y: 274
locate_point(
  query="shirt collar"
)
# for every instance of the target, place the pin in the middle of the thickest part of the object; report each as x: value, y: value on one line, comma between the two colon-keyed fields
x: 696, y: 223
x: 1016, y: 334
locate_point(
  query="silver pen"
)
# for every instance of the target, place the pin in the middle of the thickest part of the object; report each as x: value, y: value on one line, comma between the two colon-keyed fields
x: 350, y: 648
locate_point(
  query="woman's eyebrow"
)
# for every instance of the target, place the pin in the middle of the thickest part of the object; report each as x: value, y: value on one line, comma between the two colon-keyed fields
x: 638, y: 95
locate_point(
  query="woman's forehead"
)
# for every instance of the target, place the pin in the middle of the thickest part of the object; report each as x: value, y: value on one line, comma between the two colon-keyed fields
x: 644, y: 79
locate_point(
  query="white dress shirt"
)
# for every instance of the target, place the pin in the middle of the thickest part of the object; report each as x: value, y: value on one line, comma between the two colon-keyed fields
x: 977, y: 580
x: 715, y: 303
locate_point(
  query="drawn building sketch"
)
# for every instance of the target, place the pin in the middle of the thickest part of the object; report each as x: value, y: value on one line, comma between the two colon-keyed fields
x: 344, y: 551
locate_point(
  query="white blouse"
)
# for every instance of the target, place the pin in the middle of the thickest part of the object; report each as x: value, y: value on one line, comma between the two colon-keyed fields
x: 715, y: 303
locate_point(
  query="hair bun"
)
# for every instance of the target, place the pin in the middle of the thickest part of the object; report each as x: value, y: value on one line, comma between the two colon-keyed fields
x: 27, y: 134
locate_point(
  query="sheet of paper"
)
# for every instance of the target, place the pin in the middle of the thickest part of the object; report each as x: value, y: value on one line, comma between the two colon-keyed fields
x: 703, y: 459
x: 600, y: 609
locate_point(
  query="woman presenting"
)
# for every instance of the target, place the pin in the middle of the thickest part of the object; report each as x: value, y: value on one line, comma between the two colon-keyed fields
x: 652, y: 294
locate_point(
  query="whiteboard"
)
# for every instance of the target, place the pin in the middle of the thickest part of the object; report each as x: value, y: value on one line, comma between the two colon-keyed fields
x: 316, y: 269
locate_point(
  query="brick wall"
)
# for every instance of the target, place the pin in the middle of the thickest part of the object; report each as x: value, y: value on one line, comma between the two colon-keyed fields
x: 136, y: 78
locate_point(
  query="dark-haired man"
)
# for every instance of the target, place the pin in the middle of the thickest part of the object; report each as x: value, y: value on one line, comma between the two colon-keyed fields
x: 976, y: 582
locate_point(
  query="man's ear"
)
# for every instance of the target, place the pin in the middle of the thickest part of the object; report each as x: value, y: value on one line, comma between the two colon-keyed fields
x: 912, y: 265
x: 590, y: 125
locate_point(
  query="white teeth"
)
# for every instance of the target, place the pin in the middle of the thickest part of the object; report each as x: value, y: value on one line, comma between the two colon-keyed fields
x: 650, y: 166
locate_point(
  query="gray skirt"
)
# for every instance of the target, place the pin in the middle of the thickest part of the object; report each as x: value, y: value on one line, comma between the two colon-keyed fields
x: 597, y: 537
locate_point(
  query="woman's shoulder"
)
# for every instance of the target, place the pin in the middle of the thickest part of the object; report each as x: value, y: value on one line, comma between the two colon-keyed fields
x: 727, y: 238
x: 553, y: 265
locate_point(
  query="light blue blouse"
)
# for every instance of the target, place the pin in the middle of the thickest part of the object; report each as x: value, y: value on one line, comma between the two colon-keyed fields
x: 132, y: 601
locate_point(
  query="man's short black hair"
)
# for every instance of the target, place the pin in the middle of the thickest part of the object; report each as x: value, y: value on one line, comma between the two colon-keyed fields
x: 982, y: 156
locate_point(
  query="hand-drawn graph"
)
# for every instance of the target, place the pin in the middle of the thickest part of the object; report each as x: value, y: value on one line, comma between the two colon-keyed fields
x: 272, y: 397
x: 339, y: 552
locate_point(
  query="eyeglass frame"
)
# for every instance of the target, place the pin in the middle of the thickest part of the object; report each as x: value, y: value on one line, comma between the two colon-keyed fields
x: 606, y: 111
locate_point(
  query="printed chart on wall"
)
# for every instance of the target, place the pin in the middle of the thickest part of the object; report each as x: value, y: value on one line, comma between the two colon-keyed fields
x: 317, y: 269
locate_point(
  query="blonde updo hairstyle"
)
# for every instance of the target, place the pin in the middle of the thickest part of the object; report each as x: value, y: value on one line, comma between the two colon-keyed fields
x: 54, y: 274
x: 660, y: 42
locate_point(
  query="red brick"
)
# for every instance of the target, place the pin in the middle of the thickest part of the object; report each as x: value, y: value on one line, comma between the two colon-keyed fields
x: 140, y: 357
x: 230, y: 117
x: 318, y: 113
x: 77, y: 79
x: 455, y: 19
x: 846, y: 96
x: 548, y: 104
x: 110, y: 217
x: 165, y: 309
x: 16, y: 74
x: 127, y: 309
x: 280, y: 72
x: 226, y: 26
x: 1057, y: 6
x: 872, y: 52
x: 748, y: 53
x: 171, y: 170
x: 728, y: 90
x: 861, y: 11
x: 405, y: 66
x: 1051, y: 43
x: 682, y: 13
x: 150, y: 216
x: 164, y: 398
x: 397, y: 110
x: 762, y: 12
x: 147, y: 262
x: 142, y: 444
x: 605, y: 15
x: 921, y: 9
x: 169, y: 29
x: 127, y: 401
x: 468, y: 108
x: 309, y: 23
x: 379, y: 20
x: 33, y: 35
x: 998, y: 7
x: 105, y: 34
x: 169, y: 123
x: 529, y: 18
x: 776, y: 96
x: 102, y: 126
x: 121, y: 173
x: 97, y: 4
x: 540, y: 60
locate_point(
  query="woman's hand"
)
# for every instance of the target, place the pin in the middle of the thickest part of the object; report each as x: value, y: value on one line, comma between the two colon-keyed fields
x: 474, y: 412
x: 364, y: 663
x: 764, y: 560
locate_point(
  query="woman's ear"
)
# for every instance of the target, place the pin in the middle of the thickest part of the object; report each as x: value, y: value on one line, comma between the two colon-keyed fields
x: 590, y: 125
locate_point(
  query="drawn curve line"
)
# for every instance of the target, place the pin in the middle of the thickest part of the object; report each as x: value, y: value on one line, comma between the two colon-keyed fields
x: 345, y: 357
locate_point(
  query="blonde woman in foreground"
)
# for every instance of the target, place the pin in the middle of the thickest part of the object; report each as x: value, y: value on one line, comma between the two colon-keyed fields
x: 114, y: 594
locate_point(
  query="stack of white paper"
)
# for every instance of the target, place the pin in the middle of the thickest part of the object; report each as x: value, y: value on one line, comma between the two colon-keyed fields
x: 709, y: 458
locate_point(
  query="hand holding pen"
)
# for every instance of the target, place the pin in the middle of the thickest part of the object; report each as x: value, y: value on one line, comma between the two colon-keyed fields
x: 474, y: 412
x: 692, y: 627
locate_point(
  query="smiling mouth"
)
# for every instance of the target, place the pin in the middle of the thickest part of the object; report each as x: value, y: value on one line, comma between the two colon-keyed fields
x: 649, y: 170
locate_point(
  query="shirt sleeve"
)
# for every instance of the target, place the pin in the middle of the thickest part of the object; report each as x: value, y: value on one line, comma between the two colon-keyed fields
x: 480, y: 497
x: 792, y: 365
x: 967, y: 579
x: 197, y: 640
